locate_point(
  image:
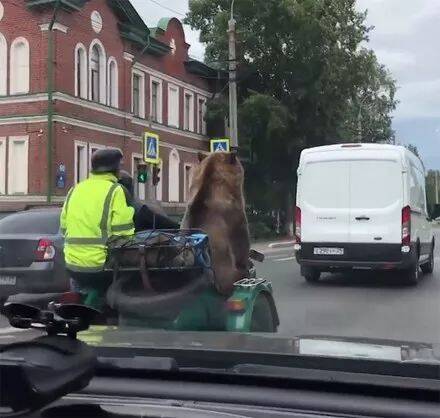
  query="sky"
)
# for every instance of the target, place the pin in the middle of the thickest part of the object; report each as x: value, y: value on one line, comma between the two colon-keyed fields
x: 406, y: 39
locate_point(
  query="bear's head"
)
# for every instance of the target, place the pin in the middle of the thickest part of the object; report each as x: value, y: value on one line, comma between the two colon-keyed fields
x: 219, y: 172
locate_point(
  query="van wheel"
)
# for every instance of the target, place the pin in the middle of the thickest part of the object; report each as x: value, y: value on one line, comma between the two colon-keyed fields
x: 412, y: 275
x: 311, y: 274
x: 428, y: 268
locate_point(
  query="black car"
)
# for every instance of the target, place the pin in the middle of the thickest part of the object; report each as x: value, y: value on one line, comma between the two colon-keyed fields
x: 31, y: 253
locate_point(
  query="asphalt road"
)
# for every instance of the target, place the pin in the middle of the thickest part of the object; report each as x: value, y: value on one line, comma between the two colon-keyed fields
x: 361, y: 304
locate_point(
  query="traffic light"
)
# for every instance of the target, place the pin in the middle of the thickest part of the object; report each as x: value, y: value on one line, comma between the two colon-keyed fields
x: 156, y: 178
x: 142, y: 176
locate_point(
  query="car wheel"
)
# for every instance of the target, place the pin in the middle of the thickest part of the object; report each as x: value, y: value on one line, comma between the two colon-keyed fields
x: 310, y: 274
x: 428, y: 268
x: 262, y: 317
x: 412, y: 275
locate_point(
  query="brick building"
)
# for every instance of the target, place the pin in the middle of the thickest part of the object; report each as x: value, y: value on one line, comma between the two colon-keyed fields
x: 113, y: 79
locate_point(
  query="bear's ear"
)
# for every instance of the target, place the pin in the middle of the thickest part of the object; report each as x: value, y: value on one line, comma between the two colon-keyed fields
x: 233, y: 157
x: 201, y: 156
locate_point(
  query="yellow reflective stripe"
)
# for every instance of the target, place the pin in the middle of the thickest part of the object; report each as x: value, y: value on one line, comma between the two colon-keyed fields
x: 106, y: 212
x: 122, y: 228
x: 85, y: 241
x: 80, y: 269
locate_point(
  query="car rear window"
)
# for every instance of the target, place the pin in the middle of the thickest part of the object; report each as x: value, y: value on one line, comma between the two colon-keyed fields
x: 38, y: 222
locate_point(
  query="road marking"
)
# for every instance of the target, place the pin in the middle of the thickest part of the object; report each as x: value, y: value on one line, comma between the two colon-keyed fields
x: 285, y: 259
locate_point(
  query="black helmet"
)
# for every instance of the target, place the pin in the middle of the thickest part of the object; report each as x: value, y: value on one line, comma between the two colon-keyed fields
x: 106, y: 160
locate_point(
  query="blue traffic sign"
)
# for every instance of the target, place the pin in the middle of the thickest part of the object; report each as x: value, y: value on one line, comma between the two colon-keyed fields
x: 151, y: 148
x: 220, y: 145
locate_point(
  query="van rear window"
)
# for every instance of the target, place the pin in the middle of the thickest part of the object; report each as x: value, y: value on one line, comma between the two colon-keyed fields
x: 375, y: 184
x: 325, y: 184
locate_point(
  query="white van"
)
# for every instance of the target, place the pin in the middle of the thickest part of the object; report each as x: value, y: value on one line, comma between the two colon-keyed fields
x: 362, y: 206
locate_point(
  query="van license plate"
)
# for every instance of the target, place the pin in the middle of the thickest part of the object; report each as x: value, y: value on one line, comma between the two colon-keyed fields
x: 328, y: 251
x: 8, y: 280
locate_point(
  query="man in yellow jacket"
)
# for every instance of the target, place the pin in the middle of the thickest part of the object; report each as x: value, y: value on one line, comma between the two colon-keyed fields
x: 95, y: 210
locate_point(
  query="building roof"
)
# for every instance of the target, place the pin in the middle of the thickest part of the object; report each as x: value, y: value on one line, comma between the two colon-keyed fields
x: 133, y: 28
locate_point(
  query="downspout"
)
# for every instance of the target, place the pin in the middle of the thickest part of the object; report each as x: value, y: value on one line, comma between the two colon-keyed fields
x: 50, y: 107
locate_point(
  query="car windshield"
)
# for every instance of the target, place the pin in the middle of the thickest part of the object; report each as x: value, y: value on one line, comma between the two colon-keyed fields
x: 248, y: 175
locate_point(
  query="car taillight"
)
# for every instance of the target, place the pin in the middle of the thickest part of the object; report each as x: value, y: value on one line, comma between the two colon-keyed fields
x: 45, y: 250
x: 297, y: 225
x: 406, y: 225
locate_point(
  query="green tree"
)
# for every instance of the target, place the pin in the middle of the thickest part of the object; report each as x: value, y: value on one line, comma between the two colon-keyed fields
x: 305, y: 79
x: 433, y: 192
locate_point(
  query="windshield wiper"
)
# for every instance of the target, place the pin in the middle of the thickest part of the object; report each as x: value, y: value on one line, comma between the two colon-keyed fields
x: 137, y: 364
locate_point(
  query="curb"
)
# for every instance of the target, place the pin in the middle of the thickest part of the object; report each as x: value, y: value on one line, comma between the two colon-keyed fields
x: 281, y: 244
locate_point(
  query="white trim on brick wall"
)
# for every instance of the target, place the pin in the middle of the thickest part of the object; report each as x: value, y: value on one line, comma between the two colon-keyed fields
x: 141, y: 91
x: 22, y: 169
x: 160, y: 98
x: 171, y: 79
x: 2, y: 165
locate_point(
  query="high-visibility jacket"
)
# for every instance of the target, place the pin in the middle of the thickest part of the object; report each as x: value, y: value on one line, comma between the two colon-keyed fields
x: 95, y: 210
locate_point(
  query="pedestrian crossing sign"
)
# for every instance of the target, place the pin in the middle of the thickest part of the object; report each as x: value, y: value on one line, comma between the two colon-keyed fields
x: 220, y: 145
x: 151, y: 148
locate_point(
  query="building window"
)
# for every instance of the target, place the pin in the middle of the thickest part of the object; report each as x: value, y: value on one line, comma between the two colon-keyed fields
x: 97, y: 72
x: 187, y: 184
x: 173, y: 105
x: 18, y: 165
x: 81, y: 168
x: 156, y: 100
x: 113, y: 85
x: 201, y: 114
x: 19, y: 71
x: 189, y: 112
x: 2, y: 165
x: 138, y: 94
x: 174, y: 177
x: 3, y: 65
x: 80, y: 71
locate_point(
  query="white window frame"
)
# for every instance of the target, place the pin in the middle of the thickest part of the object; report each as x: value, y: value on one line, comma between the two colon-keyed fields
x: 116, y: 85
x: 97, y: 147
x: 141, y: 188
x: 102, y: 72
x: 185, y: 188
x: 159, y: 98
x: 11, y: 140
x: 76, y: 145
x: 159, y: 186
x: 170, y: 183
x: 3, y: 65
x: 175, y: 87
x: 2, y: 165
x: 141, y: 74
x: 19, y: 86
x: 199, y: 99
x: 81, y: 91
x: 191, y: 111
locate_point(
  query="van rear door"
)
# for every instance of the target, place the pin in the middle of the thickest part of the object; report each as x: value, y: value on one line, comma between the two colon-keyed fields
x: 376, y: 200
x: 324, y: 201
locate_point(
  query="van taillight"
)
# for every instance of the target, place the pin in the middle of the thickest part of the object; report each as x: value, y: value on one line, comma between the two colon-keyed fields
x: 297, y: 224
x: 45, y: 250
x: 406, y: 225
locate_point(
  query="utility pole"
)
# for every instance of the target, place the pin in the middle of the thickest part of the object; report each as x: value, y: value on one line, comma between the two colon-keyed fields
x: 233, y: 119
x: 437, y: 190
x: 50, y: 109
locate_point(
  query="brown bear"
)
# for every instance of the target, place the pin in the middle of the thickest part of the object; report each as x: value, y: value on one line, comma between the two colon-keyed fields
x: 216, y: 205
